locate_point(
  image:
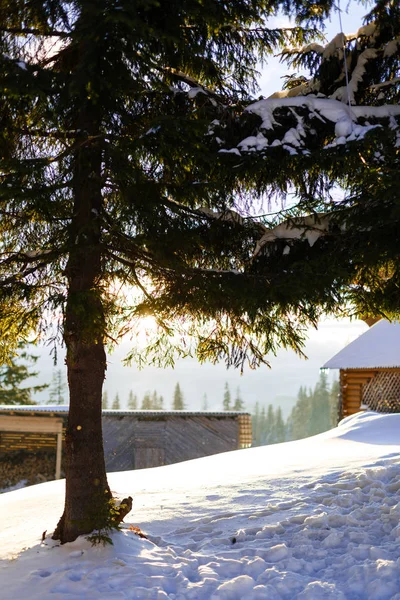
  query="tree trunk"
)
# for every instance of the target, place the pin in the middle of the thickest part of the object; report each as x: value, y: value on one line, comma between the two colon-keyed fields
x: 87, y: 499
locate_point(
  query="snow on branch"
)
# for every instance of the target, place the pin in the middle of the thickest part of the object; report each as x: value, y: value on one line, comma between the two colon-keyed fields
x: 347, y: 124
x: 348, y: 95
x: 336, y: 45
x: 227, y: 215
x: 383, y: 84
x: 363, y: 50
x: 313, y: 47
x: 391, y: 47
x: 195, y: 86
x: 310, y: 228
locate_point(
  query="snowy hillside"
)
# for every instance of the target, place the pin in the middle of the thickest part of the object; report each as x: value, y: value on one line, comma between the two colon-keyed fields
x: 312, y: 519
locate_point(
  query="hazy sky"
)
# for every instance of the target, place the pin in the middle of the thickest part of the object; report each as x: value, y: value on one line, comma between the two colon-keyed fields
x: 288, y: 371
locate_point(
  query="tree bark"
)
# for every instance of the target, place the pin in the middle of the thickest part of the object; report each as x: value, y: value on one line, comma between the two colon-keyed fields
x: 87, y: 497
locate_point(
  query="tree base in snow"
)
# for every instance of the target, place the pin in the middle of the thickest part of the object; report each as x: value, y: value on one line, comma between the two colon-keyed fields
x: 98, y: 528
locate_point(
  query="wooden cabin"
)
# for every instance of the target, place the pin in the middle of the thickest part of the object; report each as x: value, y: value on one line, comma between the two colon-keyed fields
x: 370, y: 371
x: 132, y: 439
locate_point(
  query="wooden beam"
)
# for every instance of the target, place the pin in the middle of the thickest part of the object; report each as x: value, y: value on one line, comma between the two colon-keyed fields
x: 31, y: 424
x: 58, y: 455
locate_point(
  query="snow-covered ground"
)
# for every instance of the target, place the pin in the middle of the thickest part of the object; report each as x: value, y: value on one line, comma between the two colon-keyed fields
x: 312, y: 519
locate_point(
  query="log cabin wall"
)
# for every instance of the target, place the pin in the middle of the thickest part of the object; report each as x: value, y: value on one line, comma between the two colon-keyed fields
x: 351, y: 389
x: 376, y: 389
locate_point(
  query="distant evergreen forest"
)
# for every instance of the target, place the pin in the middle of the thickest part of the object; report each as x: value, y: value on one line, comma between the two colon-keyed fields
x: 150, y: 401
x: 314, y: 412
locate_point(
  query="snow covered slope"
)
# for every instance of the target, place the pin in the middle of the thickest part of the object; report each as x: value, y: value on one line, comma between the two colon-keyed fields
x: 316, y: 518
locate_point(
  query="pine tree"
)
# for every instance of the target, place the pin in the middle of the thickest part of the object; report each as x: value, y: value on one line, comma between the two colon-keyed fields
x: 263, y: 427
x: 104, y: 400
x: 58, y: 388
x: 13, y: 376
x: 152, y: 401
x: 301, y: 415
x: 315, y: 410
x: 116, y: 404
x: 256, y: 425
x: 204, y: 405
x: 334, y: 398
x: 227, y: 398
x: 268, y: 426
x: 238, y: 403
x: 178, y: 402
x: 269, y: 433
x: 288, y: 430
x: 132, y: 401
x: 113, y: 170
x: 321, y: 406
x: 280, y: 430
x: 157, y: 402
x: 147, y: 403
x: 334, y: 256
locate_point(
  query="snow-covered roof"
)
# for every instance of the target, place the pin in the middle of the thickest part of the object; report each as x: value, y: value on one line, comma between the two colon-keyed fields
x: 63, y: 409
x: 379, y: 347
x: 34, y: 408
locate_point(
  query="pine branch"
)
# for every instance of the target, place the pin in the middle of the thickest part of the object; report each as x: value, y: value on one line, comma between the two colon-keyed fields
x: 190, y: 81
x: 15, y: 280
x: 24, y: 259
x: 57, y: 135
x: 34, y: 31
x: 383, y: 84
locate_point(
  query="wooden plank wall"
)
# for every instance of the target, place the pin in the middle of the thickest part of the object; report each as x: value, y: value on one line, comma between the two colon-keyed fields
x: 149, y: 457
x: 118, y: 441
x: 131, y: 441
x: 199, y: 436
x: 351, y: 387
x: 140, y: 442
